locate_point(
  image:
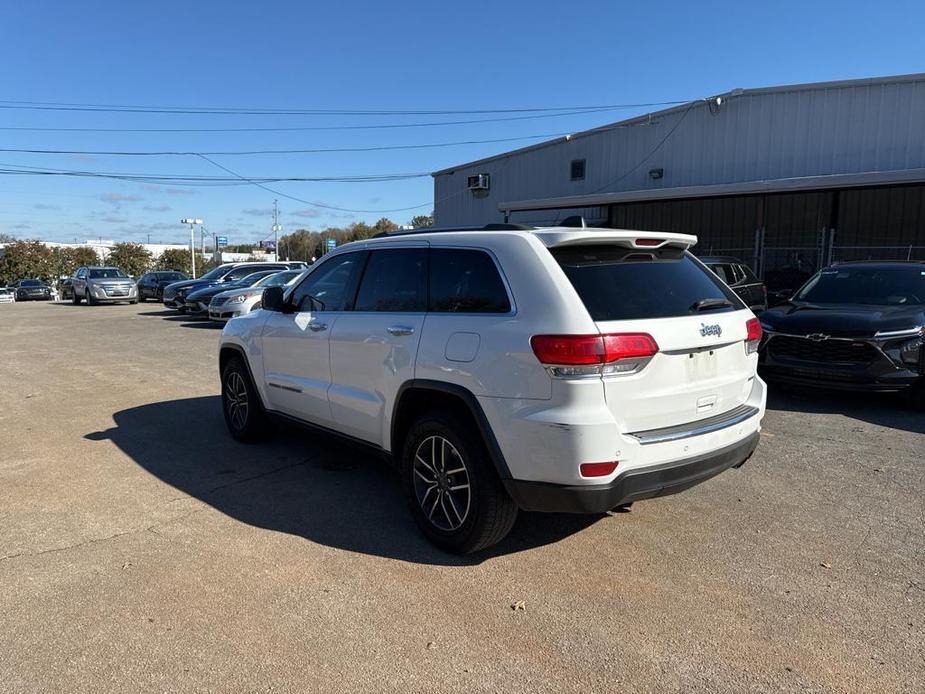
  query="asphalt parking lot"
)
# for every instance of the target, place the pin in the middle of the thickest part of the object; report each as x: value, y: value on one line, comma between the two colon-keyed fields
x: 141, y: 549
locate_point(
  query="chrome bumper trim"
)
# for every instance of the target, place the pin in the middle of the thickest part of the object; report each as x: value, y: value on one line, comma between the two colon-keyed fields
x: 698, y: 428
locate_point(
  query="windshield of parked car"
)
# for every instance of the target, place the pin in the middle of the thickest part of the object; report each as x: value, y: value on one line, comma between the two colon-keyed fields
x: 278, y: 279
x: 253, y: 278
x: 31, y: 283
x: 171, y: 276
x: 106, y: 273
x: 877, y: 286
x: 216, y: 273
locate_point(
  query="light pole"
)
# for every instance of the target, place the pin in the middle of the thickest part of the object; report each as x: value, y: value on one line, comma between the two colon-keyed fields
x: 192, y: 241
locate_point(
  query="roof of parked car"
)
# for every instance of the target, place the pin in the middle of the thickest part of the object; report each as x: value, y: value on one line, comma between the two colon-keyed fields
x: 878, y: 263
x: 717, y: 259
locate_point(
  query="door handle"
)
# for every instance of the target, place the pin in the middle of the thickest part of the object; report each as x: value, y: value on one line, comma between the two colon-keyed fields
x: 317, y: 327
x: 400, y: 330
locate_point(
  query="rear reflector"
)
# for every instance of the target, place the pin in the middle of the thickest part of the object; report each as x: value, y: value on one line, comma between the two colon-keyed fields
x: 576, y: 350
x: 597, y: 469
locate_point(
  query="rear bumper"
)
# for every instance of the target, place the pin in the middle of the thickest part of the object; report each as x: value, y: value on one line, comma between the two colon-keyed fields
x: 633, y: 485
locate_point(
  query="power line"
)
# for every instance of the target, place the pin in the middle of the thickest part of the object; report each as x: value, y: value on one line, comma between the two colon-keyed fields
x: 377, y: 126
x: 243, y: 111
x: 316, y: 150
x: 319, y: 204
x: 185, y: 179
x: 651, y: 152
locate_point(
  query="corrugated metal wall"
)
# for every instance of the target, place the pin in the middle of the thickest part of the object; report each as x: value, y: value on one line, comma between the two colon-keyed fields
x: 761, y: 135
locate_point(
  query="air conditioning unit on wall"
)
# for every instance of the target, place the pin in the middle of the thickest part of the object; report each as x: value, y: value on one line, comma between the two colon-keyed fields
x: 479, y: 182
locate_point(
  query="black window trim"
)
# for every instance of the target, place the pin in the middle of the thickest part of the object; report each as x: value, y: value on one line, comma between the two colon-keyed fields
x: 369, y: 249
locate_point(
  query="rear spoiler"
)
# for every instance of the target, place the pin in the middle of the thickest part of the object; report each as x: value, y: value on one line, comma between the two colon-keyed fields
x: 637, y: 240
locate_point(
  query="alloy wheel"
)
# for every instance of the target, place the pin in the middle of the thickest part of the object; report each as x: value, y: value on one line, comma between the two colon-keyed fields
x: 236, y: 400
x: 441, y: 483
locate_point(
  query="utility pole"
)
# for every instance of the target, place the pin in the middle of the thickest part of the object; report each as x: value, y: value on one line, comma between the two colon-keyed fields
x: 192, y: 241
x: 202, y: 240
x: 276, y: 228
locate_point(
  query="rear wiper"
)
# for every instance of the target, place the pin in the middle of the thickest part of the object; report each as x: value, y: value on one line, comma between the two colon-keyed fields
x: 707, y: 304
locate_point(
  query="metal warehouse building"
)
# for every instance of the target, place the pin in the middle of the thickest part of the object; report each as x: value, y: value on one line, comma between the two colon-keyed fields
x: 787, y: 177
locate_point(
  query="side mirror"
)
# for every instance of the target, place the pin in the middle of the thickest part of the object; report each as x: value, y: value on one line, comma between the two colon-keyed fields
x: 273, y: 299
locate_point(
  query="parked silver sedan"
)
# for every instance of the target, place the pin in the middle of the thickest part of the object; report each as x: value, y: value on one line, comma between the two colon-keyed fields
x: 237, y: 302
x: 102, y: 285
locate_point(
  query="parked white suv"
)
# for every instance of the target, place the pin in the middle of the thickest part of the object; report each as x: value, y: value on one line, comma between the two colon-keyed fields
x: 548, y: 369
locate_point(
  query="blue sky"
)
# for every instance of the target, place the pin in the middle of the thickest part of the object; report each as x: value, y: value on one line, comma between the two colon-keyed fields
x: 375, y: 55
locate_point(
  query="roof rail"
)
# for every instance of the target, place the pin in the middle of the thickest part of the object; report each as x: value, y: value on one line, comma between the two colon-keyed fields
x: 495, y: 226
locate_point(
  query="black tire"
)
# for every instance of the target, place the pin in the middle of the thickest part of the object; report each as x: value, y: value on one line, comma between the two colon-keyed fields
x: 181, y: 309
x: 90, y: 300
x: 133, y: 301
x: 250, y: 424
x: 459, y: 503
x: 141, y: 297
x: 75, y: 299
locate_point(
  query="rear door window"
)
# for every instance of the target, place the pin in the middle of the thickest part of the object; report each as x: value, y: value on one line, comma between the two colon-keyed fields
x: 617, y: 283
x: 394, y: 280
x: 465, y: 281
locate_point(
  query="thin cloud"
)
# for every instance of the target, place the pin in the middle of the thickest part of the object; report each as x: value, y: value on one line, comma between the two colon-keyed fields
x: 259, y: 212
x: 307, y: 213
x: 114, y: 220
x: 43, y: 206
x: 154, y: 188
x: 157, y: 208
x: 117, y: 199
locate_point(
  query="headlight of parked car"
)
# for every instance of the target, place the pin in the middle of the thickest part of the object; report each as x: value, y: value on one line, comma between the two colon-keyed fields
x: 237, y: 299
x: 907, y: 352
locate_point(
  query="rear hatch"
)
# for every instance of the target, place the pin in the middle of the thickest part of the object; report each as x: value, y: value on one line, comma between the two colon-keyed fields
x: 702, y: 367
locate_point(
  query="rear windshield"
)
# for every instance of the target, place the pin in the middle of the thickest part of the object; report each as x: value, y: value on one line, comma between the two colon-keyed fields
x: 878, y: 286
x: 616, y: 283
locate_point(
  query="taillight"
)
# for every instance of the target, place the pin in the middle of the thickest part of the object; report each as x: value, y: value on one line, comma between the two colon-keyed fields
x: 649, y: 242
x: 597, y: 469
x: 582, y: 355
x: 753, y: 334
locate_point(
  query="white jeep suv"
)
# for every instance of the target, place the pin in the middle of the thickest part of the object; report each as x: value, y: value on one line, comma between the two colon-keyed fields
x: 546, y: 369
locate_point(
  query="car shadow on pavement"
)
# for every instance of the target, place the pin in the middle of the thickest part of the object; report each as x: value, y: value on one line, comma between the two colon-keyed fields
x: 204, y: 325
x: 299, y: 483
x: 882, y: 409
x: 161, y: 314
